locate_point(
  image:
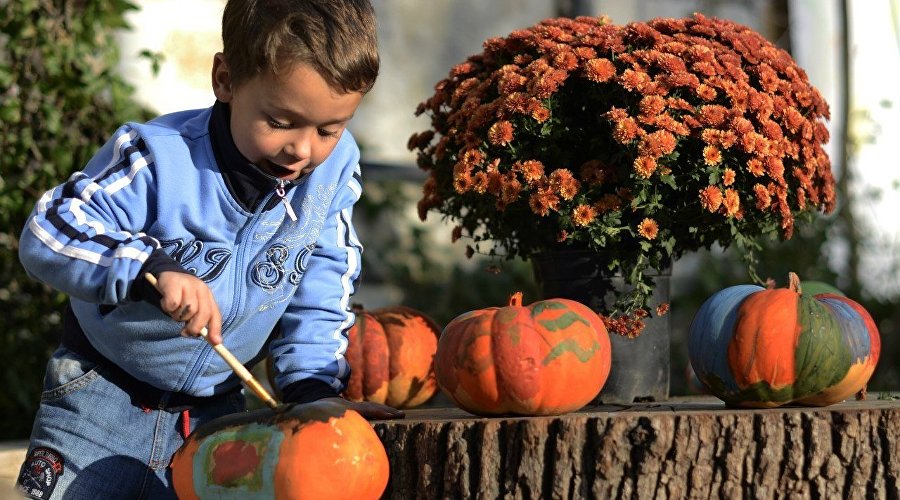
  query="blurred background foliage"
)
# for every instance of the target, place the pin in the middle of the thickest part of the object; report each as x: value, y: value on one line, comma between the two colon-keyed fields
x: 61, y: 95
x: 60, y: 98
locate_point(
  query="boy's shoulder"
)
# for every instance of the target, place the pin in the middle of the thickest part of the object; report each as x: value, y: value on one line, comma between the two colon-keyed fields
x: 191, y: 124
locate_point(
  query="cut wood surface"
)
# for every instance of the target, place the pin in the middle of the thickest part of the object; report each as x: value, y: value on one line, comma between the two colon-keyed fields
x: 683, y: 448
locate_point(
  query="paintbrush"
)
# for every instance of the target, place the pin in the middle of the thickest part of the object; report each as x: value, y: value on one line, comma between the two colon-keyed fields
x: 239, y: 369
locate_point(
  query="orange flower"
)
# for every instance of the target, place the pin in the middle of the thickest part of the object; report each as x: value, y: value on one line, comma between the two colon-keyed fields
x: 463, y: 182
x: 706, y: 92
x: 539, y: 113
x: 636, y: 81
x: 662, y: 309
x: 599, y: 70
x: 710, y: 198
x: 712, y: 155
x: 564, y: 183
x: 648, y: 228
x: 644, y: 166
x: 480, y: 182
x: 583, y: 215
x: 510, y: 188
x: 728, y: 177
x: 501, y: 133
x: 542, y: 201
x: 775, y: 167
x: 566, y: 60
x: 652, y: 105
x: 732, y: 202
x: 626, y: 130
x: 712, y: 115
x: 531, y: 170
x: 656, y: 144
x: 756, y: 167
x: 763, y: 197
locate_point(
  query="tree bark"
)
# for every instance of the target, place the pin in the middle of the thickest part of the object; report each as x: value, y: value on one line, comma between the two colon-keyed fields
x: 696, y: 449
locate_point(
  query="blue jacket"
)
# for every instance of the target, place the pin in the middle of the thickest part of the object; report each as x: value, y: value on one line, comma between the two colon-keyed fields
x: 158, y: 196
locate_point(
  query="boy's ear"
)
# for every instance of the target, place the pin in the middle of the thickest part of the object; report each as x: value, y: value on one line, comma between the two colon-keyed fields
x: 221, y: 78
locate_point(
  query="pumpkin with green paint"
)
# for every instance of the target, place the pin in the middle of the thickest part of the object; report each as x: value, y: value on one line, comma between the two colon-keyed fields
x: 309, y: 451
x: 762, y: 348
x: 391, y: 356
x: 548, y: 358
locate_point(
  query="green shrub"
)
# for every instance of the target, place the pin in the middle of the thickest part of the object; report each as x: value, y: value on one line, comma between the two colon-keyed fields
x: 60, y: 99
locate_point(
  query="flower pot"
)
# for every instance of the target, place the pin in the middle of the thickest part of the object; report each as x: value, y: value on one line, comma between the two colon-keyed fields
x: 640, y: 365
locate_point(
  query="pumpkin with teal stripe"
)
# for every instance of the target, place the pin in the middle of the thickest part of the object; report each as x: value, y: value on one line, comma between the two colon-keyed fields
x: 762, y: 348
x: 548, y: 358
x: 298, y: 452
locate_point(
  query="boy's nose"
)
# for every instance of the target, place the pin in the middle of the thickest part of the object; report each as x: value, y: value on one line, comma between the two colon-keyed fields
x: 299, y: 147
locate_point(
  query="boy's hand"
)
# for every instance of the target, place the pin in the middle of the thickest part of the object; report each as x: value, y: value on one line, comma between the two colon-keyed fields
x: 186, y: 297
x: 370, y: 410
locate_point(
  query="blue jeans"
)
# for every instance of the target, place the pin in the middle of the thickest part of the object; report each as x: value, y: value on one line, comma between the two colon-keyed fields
x: 90, y: 441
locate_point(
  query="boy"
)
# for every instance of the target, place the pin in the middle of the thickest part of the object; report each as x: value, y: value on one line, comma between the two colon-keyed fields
x: 242, y: 211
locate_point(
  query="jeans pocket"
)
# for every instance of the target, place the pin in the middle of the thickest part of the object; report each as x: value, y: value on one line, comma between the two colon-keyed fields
x: 66, y: 373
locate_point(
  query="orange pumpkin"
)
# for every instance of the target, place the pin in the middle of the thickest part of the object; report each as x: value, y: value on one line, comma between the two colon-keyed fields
x: 309, y: 451
x: 391, y: 357
x: 548, y: 358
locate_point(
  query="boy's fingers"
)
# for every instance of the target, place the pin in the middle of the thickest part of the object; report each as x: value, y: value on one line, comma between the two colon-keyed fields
x: 215, y: 327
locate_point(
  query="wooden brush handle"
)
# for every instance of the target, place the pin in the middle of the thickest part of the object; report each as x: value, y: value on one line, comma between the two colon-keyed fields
x: 239, y: 369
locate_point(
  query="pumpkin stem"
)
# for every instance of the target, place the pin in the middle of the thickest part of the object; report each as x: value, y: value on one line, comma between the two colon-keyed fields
x: 794, y: 282
x: 516, y: 299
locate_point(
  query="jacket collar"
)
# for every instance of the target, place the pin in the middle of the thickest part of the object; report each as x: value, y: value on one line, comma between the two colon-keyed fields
x: 247, y: 183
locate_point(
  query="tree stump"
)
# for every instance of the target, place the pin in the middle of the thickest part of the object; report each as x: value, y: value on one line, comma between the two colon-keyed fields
x: 687, y: 448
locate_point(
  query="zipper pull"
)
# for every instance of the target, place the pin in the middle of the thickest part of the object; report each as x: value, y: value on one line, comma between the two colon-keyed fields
x: 279, y: 190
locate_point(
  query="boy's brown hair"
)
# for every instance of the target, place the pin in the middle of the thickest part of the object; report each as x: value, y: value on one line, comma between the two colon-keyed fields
x: 335, y: 37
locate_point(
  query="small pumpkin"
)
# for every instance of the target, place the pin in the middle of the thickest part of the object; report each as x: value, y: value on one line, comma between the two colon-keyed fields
x: 308, y: 451
x: 762, y: 348
x: 391, y: 356
x: 548, y: 358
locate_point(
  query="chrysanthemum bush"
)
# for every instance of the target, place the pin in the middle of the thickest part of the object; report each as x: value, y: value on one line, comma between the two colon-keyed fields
x: 642, y: 141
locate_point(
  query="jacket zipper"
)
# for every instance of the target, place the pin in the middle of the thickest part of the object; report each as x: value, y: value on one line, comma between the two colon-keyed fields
x: 238, y: 296
x: 279, y: 190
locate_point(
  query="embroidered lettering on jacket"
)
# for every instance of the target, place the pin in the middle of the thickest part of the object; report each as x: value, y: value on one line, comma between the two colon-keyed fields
x: 270, y: 275
x: 185, y: 253
x: 278, y: 273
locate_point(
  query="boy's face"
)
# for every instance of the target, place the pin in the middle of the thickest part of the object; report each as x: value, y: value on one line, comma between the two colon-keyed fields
x: 286, y: 125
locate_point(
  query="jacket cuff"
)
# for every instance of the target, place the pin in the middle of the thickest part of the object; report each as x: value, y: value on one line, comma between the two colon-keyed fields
x: 307, y: 391
x: 159, y: 261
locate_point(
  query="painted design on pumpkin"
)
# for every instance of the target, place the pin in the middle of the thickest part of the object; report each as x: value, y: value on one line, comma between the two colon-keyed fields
x: 763, y: 348
x: 283, y: 454
x: 569, y: 345
x: 237, y: 460
x: 550, y: 357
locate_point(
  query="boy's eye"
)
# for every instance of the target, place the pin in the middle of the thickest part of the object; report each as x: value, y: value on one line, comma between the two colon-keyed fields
x: 327, y: 133
x: 277, y: 124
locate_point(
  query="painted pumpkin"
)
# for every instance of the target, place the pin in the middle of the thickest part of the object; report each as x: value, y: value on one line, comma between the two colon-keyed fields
x: 309, y: 451
x: 548, y: 358
x: 391, y: 357
x: 761, y: 348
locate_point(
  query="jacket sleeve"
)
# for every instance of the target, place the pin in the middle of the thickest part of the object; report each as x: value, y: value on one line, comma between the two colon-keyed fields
x: 309, y: 354
x: 83, y: 237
